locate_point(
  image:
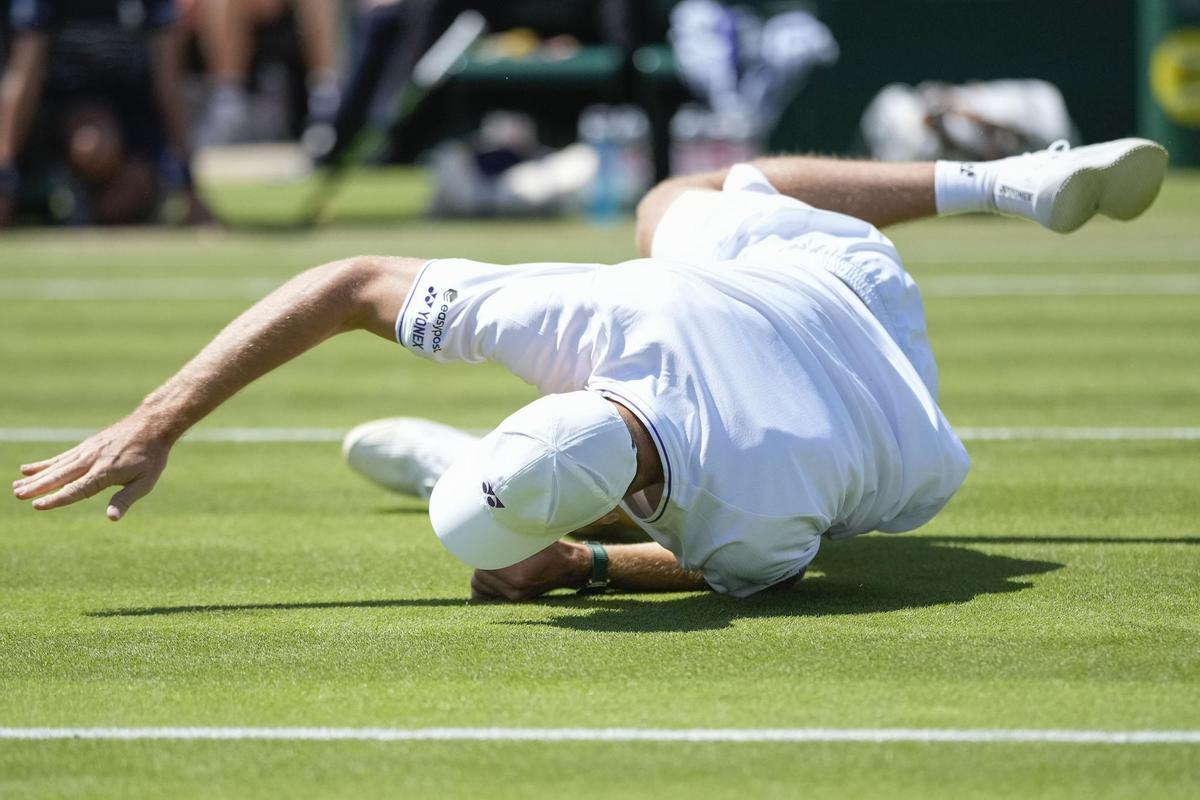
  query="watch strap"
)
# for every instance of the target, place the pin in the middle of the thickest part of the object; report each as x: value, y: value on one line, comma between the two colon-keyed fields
x: 598, y: 579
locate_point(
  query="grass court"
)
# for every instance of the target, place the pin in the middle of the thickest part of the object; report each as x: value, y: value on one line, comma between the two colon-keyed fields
x: 264, y: 585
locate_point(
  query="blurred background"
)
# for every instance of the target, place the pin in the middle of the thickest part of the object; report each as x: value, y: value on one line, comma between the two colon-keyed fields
x: 296, y: 112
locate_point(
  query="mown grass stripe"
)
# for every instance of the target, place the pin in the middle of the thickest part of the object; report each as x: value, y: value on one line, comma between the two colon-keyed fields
x: 993, y: 434
x: 256, y: 435
x: 721, y: 735
x: 1058, y: 285
x: 1000, y: 285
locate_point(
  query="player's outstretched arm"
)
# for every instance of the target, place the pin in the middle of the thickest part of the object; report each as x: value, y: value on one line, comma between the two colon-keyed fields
x: 646, y: 567
x: 359, y: 293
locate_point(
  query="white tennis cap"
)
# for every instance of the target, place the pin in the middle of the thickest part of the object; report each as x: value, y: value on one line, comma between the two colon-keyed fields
x: 559, y: 463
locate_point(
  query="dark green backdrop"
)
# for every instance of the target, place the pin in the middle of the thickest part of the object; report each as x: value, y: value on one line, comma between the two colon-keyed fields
x: 1088, y: 48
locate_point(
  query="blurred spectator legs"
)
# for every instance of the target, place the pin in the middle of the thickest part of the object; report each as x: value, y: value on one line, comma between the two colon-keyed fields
x: 20, y: 88
x: 318, y: 21
x: 226, y: 30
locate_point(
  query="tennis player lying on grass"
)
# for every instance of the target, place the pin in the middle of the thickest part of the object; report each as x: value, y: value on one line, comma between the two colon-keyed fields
x: 761, y: 379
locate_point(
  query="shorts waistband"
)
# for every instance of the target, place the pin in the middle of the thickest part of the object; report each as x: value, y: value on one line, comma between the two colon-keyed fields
x: 861, y: 284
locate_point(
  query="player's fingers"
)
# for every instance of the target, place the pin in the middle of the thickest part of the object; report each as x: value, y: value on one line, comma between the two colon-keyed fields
x: 479, y: 589
x: 35, y: 467
x: 38, y: 466
x: 122, y: 500
x: 49, y: 479
x: 80, y: 489
x: 498, y: 587
x: 485, y: 586
x: 31, y: 472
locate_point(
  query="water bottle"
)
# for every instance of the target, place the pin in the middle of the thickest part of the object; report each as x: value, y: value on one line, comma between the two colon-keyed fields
x: 602, y: 202
x: 630, y: 130
x: 687, y: 145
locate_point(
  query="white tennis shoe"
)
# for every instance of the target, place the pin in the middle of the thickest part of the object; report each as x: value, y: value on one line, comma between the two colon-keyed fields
x: 1062, y: 188
x: 404, y: 454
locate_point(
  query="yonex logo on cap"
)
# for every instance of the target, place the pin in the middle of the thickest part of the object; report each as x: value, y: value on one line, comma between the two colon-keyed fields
x: 490, y: 494
x: 430, y: 295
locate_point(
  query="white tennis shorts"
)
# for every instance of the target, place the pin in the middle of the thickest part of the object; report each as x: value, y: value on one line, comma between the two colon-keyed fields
x: 749, y: 219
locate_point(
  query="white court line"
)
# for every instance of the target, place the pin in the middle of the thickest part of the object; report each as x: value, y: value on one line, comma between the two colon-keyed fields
x: 218, y: 435
x: 289, y: 435
x: 183, y: 288
x: 731, y: 735
x: 1058, y: 285
x: 174, y: 288
x: 1007, y: 253
x: 1078, y: 434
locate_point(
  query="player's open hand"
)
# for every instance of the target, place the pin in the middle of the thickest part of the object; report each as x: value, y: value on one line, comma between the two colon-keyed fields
x: 562, y: 565
x: 126, y: 454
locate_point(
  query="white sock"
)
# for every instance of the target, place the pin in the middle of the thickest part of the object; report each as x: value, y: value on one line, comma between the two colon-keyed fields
x: 960, y: 187
x: 230, y: 94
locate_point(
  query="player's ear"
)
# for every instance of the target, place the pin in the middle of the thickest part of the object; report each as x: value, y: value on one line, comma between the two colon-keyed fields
x: 611, y: 518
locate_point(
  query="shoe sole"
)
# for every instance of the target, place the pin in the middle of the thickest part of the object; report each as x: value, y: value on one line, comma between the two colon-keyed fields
x: 413, y: 426
x: 366, y: 460
x: 1121, y: 189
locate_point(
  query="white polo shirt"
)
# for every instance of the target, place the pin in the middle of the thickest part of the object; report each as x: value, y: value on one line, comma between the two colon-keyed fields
x: 781, y: 407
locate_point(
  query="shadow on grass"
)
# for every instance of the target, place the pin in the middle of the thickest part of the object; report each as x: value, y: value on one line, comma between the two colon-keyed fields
x: 867, y: 575
x: 216, y: 608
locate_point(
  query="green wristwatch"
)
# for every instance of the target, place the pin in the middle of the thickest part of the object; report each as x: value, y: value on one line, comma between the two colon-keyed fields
x: 598, y: 580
